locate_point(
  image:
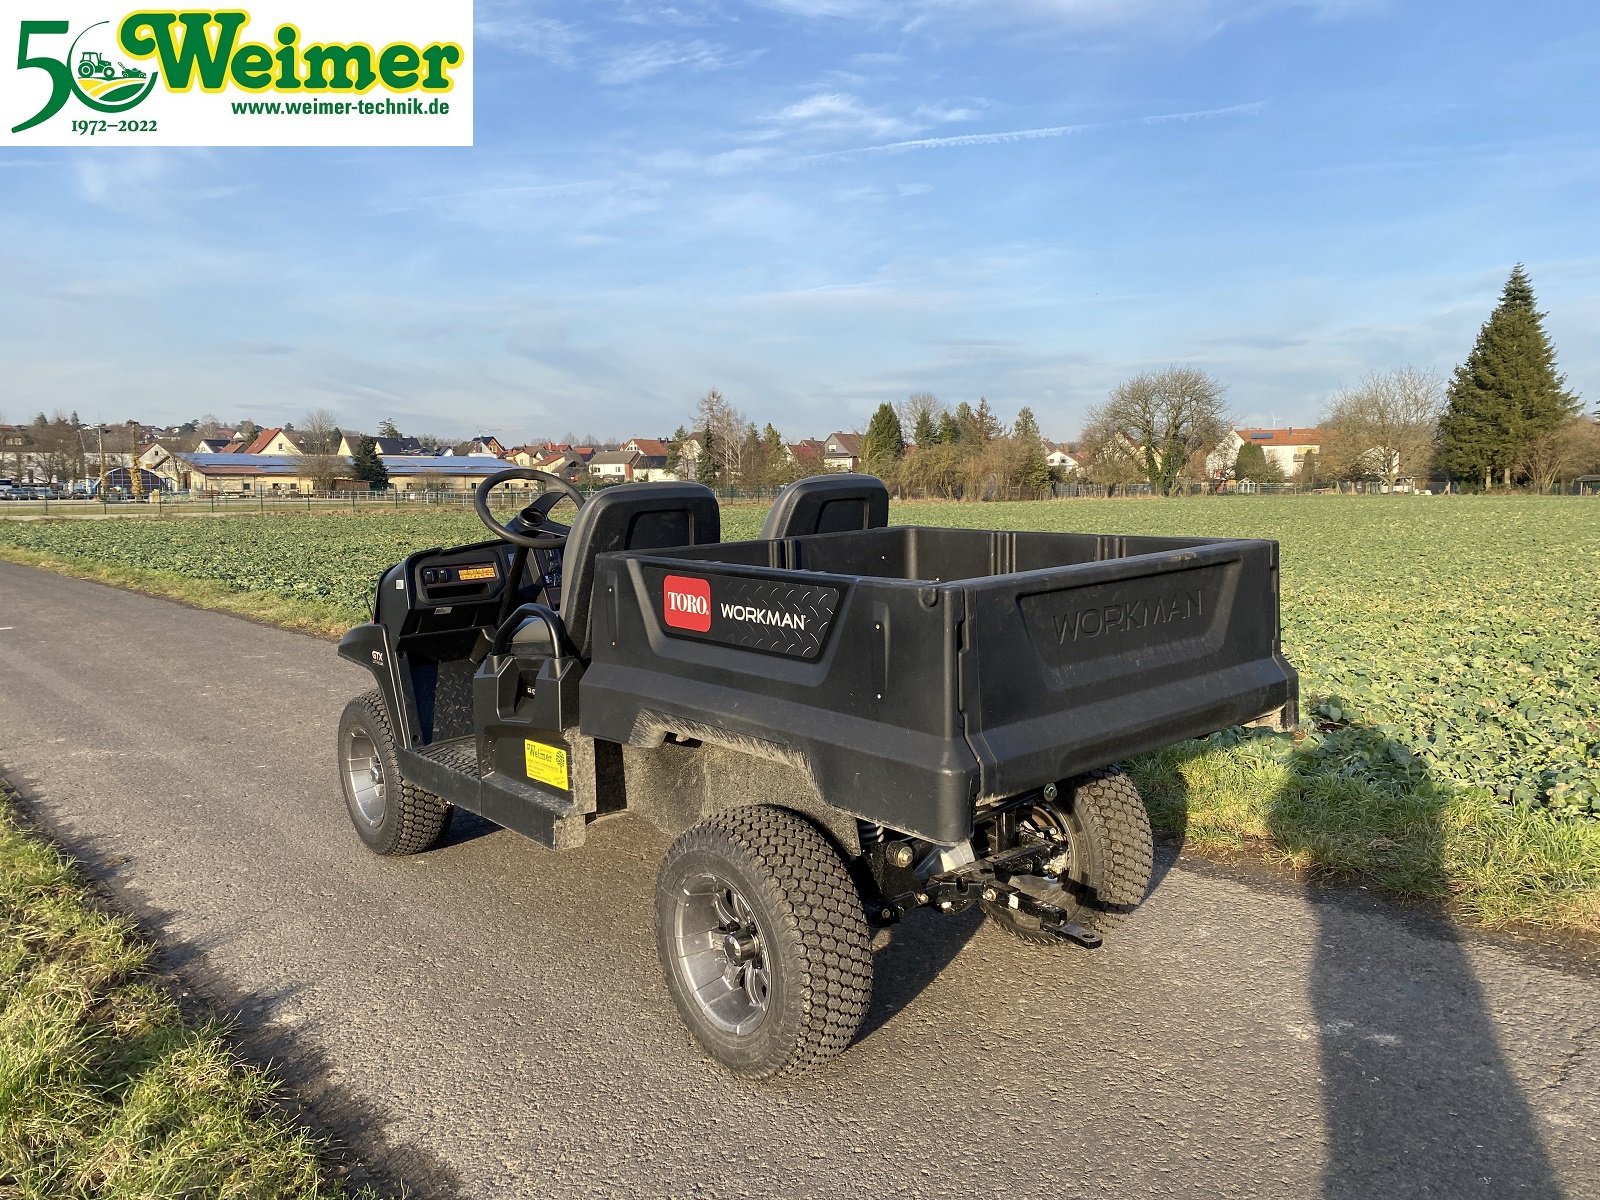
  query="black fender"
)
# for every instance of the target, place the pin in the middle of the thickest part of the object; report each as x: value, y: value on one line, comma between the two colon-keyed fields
x: 368, y: 646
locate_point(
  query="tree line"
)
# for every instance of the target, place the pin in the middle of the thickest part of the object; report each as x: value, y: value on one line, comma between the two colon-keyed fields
x: 1504, y: 418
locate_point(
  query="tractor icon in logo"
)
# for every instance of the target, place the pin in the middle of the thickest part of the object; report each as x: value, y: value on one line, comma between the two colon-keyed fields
x: 94, y: 63
x: 104, y: 84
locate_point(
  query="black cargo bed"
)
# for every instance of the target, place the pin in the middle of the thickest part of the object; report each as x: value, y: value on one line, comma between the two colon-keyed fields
x: 916, y: 673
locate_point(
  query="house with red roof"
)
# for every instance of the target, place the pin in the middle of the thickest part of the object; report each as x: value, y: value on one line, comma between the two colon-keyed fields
x: 274, y: 441
x: 1285, y: 447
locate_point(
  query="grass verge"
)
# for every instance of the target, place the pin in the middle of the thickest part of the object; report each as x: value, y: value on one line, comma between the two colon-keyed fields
x: 1336, y: 803
x: 327, y: 619
x: 106, y: 1090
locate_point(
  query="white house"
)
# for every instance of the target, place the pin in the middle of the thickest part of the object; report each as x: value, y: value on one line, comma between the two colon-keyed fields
x: 1285, y: 447
x: 614, y: 465
x: 1059, y: 457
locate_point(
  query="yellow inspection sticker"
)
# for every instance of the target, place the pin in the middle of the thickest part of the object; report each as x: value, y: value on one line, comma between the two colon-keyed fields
x: 547, y: 765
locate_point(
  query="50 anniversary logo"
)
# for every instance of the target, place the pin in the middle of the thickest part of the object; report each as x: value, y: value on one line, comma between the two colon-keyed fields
x: 230, y: 77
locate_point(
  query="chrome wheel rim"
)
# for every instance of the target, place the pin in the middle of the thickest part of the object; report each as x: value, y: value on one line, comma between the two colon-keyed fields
x: 721, y: 957
x: 363, y: 774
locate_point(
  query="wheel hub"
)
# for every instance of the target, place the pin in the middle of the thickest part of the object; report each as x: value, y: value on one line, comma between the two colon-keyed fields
x: 363, y: 771
x: 741, y: 947
x: 720, y: 954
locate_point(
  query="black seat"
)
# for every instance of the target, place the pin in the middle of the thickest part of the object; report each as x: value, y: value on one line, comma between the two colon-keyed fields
x: 632, y: 516
x: 828, y: 504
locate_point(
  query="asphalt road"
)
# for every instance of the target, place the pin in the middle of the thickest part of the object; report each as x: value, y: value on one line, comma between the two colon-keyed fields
x: 488, y: 1019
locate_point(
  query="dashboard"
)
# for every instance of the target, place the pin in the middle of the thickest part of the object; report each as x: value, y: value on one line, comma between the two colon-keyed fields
x: 477, y: 573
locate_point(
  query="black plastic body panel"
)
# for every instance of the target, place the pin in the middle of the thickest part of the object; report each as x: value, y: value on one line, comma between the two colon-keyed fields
x: 956, y: 666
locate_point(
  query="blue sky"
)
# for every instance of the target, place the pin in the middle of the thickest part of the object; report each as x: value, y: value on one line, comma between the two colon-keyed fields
x: 817, y: 205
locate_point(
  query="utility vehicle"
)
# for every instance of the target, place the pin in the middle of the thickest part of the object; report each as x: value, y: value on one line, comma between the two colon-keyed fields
x: 840, y: 722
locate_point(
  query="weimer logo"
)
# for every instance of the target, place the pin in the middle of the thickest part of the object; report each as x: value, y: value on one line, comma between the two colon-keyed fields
x: 336, y: 72
x: 94, y: 71
x: 686, y: 603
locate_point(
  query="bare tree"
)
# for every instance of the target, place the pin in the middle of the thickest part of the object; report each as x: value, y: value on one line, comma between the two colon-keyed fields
x: 1158, y: 420
x: 725, y: 436
x: 935, y: 470
x: 1564, y: 452
x: 1384, y: 427
x: 920, y: 410
x: 318, y: 438
x: 1106, y: 455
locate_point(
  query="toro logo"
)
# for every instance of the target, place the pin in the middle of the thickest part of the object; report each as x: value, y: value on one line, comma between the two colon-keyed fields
x: 686, y: 603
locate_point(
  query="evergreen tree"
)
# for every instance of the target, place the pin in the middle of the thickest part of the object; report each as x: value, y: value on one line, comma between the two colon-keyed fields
x: 388, y: 429
x: 1507, y: 393
x: 368, y: 466
x: 675, y: 450
x: 1253, y: 464
x: 885, y: 442
x: 926, y: 431
x: 949, y: 433
x: 1308, y: 470
x: 966, y: 425
x: 705, y: 467
x: 987, y: 424
x: 1033, y: 470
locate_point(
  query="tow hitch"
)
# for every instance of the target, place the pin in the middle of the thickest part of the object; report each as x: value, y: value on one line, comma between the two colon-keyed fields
x: 1000, y: 879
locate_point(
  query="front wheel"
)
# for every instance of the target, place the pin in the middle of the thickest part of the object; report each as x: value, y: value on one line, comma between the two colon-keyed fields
x: 392, y: 817
x: 1103, y: 870
x: 764, y: 942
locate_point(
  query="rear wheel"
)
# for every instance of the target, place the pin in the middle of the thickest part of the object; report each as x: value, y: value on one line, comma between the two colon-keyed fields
x: 764, y: 942
x: 1103, y: 869
x: 392, y: 817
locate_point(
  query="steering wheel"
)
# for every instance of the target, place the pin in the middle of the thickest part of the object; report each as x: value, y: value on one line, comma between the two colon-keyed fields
x: 535, y: 516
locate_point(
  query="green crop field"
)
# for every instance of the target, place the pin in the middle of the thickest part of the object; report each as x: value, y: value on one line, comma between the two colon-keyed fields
x: 1449, y: 650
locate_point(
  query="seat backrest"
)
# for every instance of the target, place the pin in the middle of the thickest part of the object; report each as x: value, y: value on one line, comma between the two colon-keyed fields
x: 828, y: 504
x: 631, y: 516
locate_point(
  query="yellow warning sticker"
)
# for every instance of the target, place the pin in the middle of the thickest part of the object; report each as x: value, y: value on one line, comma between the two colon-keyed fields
x: 547, y: 765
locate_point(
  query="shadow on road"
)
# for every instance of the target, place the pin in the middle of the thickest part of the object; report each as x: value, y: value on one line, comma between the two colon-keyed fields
x: 1418, y: 1098
x: 915, y: 954
x: 917, y: 951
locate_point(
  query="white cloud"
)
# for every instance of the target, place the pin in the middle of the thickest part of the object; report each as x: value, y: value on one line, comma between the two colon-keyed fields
x: 842, y: 112
x: 641, y: 62
x: 510, y: 24
x: 1205, y: 17
x: 942, y: 114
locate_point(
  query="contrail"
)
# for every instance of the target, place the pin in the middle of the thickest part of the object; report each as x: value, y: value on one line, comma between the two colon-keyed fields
x: 1003, y: 136
x: 1205, y: 114
x: 964, y: 139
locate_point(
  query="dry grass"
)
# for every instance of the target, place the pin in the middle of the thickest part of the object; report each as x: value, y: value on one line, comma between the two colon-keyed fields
x: 106, y: 1090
